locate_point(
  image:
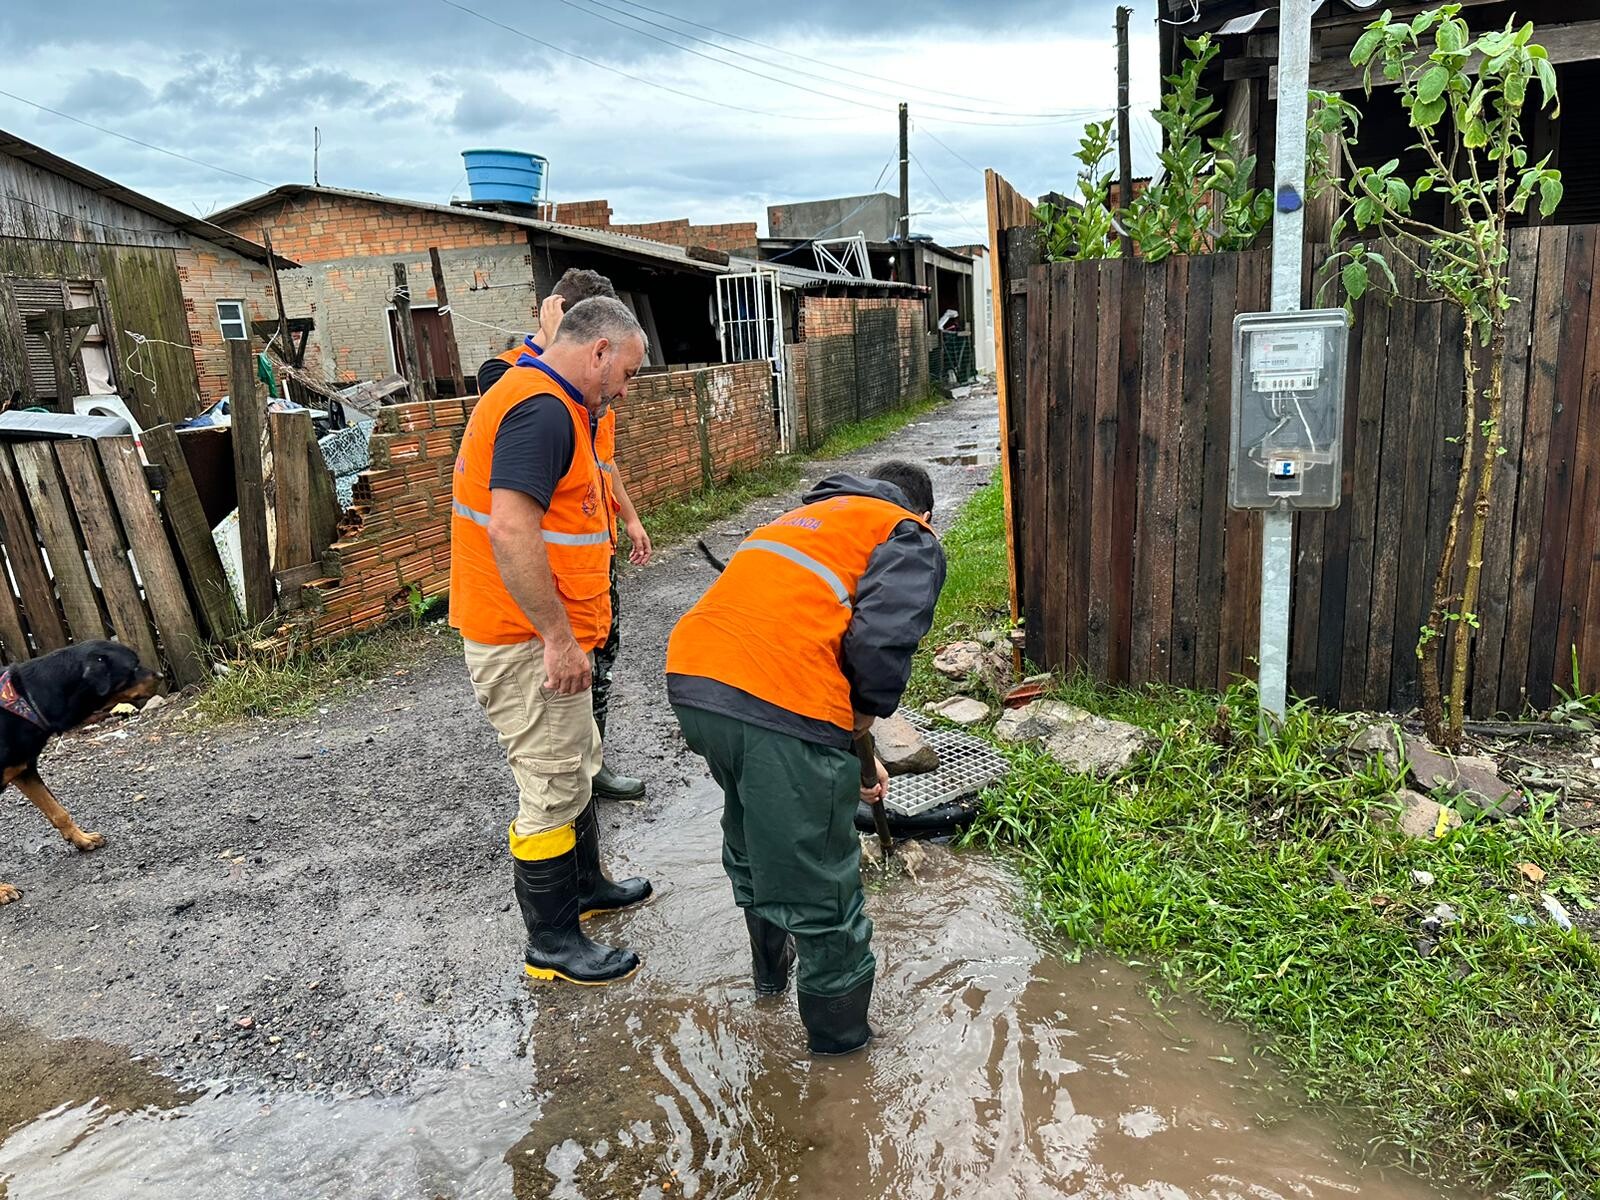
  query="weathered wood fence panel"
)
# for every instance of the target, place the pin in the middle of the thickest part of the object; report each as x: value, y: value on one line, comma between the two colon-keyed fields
x: 1129, y: 564
x: 87, y: 555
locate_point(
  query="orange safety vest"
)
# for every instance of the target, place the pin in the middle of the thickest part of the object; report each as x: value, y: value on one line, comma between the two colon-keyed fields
x: 605, y: 431
x: 578, y: 533
x: 773, y: 625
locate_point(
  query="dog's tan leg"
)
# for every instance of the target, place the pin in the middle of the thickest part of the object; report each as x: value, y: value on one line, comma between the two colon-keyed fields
x: 35, y: 789
x: 8, y: 894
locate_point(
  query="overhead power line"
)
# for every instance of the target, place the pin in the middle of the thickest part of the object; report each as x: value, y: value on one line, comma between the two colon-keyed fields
x: 548, y: 45
x: 898, y: 83
x: 55, y: 112
x: 894, y: 95
x: 1053, y: 118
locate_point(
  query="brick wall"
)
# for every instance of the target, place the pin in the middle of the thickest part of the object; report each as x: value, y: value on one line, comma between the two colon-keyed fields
x: 674, y: 432
x: 490, y: 289
x: 590, y: 214
x: 857, y: 358
x: 313, y: 228
x: 206, y: 274
x: 730, y: 238
x: 677, y: 431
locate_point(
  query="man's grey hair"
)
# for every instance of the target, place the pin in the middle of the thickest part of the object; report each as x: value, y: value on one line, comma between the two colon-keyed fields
x: 600, y: 317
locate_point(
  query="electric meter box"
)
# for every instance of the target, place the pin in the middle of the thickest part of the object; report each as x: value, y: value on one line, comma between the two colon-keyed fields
x: 1288, y: 409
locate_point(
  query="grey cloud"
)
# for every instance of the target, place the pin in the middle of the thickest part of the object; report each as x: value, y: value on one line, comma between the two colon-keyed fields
x: 489, y: 108
x: 102, y: 93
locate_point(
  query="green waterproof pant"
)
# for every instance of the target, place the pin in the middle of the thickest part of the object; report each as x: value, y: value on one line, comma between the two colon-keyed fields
x: 789, y: 842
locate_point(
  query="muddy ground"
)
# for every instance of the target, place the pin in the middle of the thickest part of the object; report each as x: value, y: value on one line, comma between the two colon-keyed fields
x: 305, y: 929
x: 326, y: 903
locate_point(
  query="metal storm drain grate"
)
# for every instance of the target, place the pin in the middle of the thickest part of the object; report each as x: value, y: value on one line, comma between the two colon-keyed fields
x: 967, y: 765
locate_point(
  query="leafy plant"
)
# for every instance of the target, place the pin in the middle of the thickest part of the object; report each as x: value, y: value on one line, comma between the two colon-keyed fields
x: 1204, y: 200
x: 1465, y: 97
x: 1086, y: 229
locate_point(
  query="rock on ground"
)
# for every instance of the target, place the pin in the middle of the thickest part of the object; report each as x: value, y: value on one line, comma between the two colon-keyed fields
x: 1036, y: 720
x: 1376, y: 741
x: 1476, y: 778
x: 1080, y: 741
x: 960, y: 710
x: 964, y: 662
x: 902, y: 748
x: 1419, y: 816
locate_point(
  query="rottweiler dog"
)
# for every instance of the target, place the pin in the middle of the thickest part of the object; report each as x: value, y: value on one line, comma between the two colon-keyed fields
x: 53, y: 694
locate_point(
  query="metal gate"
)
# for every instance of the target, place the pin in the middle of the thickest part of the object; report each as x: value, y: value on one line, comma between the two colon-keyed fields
x: 750, y: 327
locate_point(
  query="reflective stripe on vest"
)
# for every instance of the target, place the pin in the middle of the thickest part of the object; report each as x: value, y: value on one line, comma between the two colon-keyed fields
x: 773, y: 624
x: 803, y: 559
x: 577, y: 526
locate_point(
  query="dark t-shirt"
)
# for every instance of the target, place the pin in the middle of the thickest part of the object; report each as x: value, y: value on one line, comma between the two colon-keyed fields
x: 533, y: 448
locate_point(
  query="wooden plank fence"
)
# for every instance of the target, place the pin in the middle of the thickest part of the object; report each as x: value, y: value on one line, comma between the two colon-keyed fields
x: 1116, y: 380
x: 89, y: 554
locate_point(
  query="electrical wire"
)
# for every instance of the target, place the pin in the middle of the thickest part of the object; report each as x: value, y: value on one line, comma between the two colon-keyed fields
x: 55, y: 112
x: 948, y: 149
x: 969, y: 226
x: 867, y: 104
x: 899, y: 83
x: 527, y: 37
x: 897, y: 95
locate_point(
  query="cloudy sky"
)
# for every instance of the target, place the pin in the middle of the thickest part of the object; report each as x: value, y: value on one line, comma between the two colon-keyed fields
x: 706, y: 109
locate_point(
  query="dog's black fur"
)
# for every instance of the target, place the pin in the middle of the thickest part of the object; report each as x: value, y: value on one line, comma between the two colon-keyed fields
x: 65, y: 687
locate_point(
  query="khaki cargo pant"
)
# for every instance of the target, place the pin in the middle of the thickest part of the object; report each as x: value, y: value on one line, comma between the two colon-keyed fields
x: 551, y: 741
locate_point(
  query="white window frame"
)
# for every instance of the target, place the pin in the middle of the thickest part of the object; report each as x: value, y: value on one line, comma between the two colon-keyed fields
x: 241, y: 322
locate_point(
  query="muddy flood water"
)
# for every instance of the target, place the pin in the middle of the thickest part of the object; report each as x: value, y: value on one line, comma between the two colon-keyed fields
x: 1001, y: 1071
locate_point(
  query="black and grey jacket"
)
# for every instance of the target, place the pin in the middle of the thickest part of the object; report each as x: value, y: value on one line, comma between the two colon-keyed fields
x: 891, y: 614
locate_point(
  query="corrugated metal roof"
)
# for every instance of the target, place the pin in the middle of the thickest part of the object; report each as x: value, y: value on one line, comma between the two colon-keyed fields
x: 198, y: 227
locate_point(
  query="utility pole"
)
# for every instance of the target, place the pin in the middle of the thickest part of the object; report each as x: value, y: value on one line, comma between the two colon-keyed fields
x: 902, y: 259
x: 1288, y: 251
x: 1124, y: 138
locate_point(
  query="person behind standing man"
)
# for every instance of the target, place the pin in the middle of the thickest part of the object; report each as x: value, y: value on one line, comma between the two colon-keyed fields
x: 575, y: 286
x: 805, y: 639
x: 532, y: 531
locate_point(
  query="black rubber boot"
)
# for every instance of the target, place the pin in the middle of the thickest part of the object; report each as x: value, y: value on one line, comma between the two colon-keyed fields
x: 837, y: 1024
x: 597, y: 891
x: 547, y: 892
x: 771, y: 953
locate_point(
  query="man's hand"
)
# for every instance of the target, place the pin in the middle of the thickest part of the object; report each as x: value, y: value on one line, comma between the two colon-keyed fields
x: 863, y: 722
x: 640, y: 550
x: 550, y: 314
x: 566, y: 668
x: 876, y: 794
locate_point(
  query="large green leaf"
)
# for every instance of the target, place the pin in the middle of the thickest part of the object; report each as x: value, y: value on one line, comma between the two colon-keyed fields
x: 1355, y: 279
x: 1365, y: 45
x: 1550, y: 193
x: 1432, y: 84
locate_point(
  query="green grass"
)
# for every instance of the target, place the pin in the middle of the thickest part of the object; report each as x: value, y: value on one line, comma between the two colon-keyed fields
x: 976, y: 586
x: 675, y: 520
x: 847, y: 439
x: 294, y: 684
x: 1267, y: 878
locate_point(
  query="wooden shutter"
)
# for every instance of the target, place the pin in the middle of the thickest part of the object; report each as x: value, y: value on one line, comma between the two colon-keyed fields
x: 38, y: 296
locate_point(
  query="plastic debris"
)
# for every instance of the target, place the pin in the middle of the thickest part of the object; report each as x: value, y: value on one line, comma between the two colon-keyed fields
x: 1558, y: 914
x: 1422, y: 878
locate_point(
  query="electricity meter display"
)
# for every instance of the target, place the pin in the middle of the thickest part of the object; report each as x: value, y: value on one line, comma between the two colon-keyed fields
x: 1288, y: 409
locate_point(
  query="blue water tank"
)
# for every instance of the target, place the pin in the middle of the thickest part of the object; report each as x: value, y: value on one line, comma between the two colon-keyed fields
x: 511, y: 176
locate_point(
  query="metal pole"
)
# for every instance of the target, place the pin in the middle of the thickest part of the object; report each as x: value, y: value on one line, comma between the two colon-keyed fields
x: 1288, y: 251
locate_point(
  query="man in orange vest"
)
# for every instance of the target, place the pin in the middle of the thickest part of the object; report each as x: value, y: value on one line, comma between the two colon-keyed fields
x: 575, y: 286
x: 532, y: 531
x: 805, y: 639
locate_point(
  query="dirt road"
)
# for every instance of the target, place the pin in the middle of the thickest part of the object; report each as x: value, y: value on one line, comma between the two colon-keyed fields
x: 308, y: 924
